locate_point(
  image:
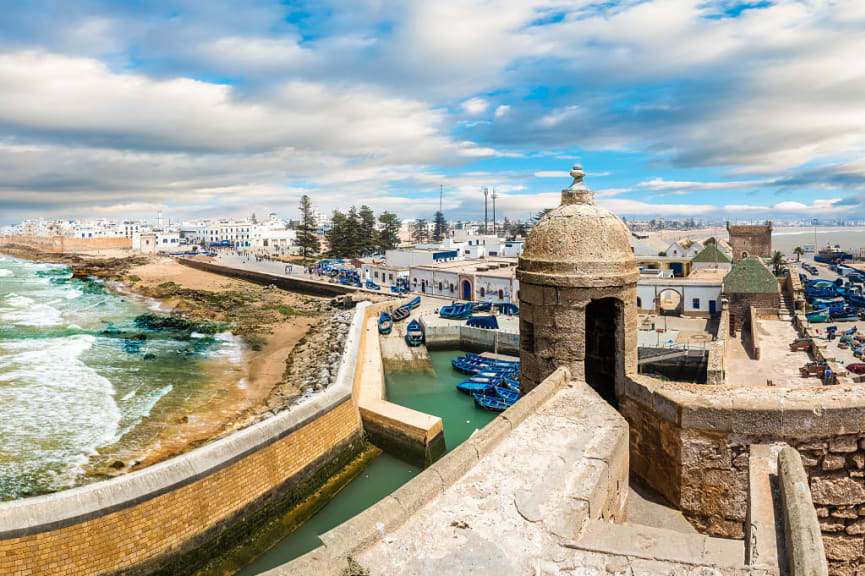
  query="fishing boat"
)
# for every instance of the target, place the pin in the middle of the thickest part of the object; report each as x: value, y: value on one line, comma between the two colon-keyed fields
x: 370, y: 285
x: 401, y: 313
x: 394, y: 289
x: 488, y: 322
x: 831, y: 254
x: 477, y: 358
x: 471, y: 386
x: 507, y: 394
x: 833, y: 304
x: 845, y: 315
x: 456, y: 312
x: 491, y: 402
x: 818, y: 315
x: 482, y: 306
x: 414, y: 303
x: 385, y: 323
x: 856, y: 368
x: 507, y: 308
x: 414, y: 333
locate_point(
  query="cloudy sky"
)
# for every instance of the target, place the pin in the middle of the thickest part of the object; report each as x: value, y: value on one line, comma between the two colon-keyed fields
x: 711, y: 108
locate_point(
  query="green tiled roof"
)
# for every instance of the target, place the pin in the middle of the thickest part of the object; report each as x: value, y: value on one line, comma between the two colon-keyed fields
x: 711, y: 254
x: 750, y: 276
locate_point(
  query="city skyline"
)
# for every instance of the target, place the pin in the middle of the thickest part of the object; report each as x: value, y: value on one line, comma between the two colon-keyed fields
x: 676, y: 108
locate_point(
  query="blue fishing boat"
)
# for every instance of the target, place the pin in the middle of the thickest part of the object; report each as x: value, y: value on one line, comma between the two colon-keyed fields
x: 833, y: 304
x: 385, y: 323
x: 482, y: 306
x: 507, y: 308
x: 491, y: 402
x: 818, y: 315
x: 401, y: 313
x: 414, y: 303
x: 856, y: 299
x: 476, y: 358
x: 456, y: 312
x: 846, y: 315
x: 471, y: 386
x: 507, y: 394
x: 488, y: 322
x: 414, y: 333
x: 370, y: 285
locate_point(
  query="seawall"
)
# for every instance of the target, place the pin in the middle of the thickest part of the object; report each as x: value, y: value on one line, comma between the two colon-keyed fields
x: 474, y: 339
x: 168, y: 515
x: 291, y: 283
x: 62, y: 244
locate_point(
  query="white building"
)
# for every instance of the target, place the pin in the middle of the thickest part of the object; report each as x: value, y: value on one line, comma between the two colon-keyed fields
x: 270, y: 237
x: 491, y: 280
x: 408, y: 257
x: 237, y: 234
x: 697, y: 295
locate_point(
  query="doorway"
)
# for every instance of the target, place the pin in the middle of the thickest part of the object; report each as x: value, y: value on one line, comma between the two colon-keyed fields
x: 605, y: 347
x: 467, y: 290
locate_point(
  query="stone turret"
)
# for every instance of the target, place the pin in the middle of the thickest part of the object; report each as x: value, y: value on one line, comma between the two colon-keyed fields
x: 578, y: 295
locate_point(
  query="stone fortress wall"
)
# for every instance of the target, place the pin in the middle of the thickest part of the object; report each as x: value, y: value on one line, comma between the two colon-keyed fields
x: 691, y: 444
x: 151, y: 519
x: 60, y: 244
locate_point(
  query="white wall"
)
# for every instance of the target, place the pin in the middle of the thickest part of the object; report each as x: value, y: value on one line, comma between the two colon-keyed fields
x: 705, y: 293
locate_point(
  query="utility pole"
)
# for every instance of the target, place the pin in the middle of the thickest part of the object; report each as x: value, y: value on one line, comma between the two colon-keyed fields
x: 440, y: 198
x: 494, y: 211
x: 486, y: 193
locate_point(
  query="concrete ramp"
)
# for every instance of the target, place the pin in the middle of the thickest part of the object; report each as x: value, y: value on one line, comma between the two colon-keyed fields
x: 397, y: 355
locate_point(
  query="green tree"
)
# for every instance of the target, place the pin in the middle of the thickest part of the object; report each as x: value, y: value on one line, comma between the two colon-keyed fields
x: 420, y: 231
x: 368, y: 239
x: 440, y: 227
x: 777, y: 262
x: 306, y: 238
x: 354, y: 243
x: 798, y: 251
x: 336, y: 235
x: 388, y: 234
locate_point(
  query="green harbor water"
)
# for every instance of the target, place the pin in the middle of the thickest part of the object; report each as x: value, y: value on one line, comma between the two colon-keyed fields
x: 432, y: 393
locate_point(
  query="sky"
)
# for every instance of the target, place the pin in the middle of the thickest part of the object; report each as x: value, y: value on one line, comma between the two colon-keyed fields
x: 200, y: 108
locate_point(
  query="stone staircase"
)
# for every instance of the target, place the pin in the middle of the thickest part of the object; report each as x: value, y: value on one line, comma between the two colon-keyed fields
x: 785, y: 307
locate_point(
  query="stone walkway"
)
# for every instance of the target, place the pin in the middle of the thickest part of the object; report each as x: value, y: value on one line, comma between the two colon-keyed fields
x: 776, y: 363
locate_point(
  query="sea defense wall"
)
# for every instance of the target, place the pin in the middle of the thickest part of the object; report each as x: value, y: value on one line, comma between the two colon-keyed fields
x: 169, y: 515
x: 471, y: 338
x: 691, y: 444
x: 62, y: 244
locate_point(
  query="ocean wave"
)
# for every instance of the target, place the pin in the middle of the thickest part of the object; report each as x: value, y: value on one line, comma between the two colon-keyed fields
x: 5, y: 272
x: 35, y: 315
x: 229, y: 347
x: 57, y: 410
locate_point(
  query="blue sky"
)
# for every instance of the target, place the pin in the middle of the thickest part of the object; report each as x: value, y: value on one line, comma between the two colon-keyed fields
x: 704, y: 108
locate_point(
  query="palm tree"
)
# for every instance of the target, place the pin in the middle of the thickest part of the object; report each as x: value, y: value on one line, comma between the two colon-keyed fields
x: 798, y: 252
x: 777, y: 262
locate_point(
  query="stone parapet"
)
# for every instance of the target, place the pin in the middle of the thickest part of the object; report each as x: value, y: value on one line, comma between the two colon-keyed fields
x: 149, y: 519
x: 803, y: 541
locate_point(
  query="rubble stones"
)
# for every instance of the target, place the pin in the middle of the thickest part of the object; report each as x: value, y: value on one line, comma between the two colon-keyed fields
x: 837, y: 491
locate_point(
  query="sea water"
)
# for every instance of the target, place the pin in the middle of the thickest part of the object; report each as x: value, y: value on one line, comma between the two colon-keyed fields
x: 78, y: 379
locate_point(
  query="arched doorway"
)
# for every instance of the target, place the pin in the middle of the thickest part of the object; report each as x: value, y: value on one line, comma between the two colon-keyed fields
x: 744, y: 255
x: 466, y: 290
x: 605, y: 347
x: 669, y: 302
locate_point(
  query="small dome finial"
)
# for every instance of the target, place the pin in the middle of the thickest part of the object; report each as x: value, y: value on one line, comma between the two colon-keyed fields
x: 577, y: 192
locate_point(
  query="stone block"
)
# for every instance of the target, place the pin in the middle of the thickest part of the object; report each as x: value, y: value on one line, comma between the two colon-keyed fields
x: 833, y: 462
x: 488, y: 437
x: 590, y: 484
x: 713, y: 414
x: 455, y: 464
x: 705, y: 451
x: 845, y: 513
x: 857, y: 528
x: 666, y: 406
x: 420, y: 490
x: 858, y: 460
x: 719, y: 492
x: 801, y: 416
x: 831, y: 526
x: 364, y: 529
x: 757, y: 416
x: 843, y: 444
x: 842, y: 547
x: 837, y: 490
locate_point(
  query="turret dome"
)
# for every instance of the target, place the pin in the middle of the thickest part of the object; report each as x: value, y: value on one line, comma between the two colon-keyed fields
x: 578, y: 244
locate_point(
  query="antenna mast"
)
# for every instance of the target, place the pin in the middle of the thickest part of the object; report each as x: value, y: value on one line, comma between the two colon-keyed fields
x: 494, y: 211
x: 486, y: 193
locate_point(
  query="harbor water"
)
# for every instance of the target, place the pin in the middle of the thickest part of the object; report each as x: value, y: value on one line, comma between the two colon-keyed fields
x: 432, y: 393
x: 81, y: 386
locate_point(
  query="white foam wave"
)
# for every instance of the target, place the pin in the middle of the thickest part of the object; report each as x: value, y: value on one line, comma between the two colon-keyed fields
x: 57, y: 411
x: 229, y: 347
x: 35, y: 315
x: 4, y: 272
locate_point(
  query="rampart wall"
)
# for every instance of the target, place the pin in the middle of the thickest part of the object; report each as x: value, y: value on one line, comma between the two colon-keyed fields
x: 62, y: 244
x: 168, y: 516
x: 471, y: 338
x: 691, y: 444
x: 716, y: 363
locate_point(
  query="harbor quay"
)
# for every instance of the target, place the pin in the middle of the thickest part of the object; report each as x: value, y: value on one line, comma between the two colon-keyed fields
x: 619, y: 436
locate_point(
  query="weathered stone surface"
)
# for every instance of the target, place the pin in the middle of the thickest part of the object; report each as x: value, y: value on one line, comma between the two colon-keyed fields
x: 845, y: 513
x: 833, y: 462
x: 831, y: 526
x: 843, y: 444
x: 842, y: 547
x: 858, y: 460
x: 837, y: 491
x: 856, y: 528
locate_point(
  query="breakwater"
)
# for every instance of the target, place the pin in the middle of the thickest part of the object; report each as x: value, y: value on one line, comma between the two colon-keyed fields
x: 169, y: 515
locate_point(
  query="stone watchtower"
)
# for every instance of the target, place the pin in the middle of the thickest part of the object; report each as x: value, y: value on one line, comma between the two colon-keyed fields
x: 578, y: 295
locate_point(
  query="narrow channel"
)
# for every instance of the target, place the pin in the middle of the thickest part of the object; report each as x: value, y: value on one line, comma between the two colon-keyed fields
x: 432, y: 393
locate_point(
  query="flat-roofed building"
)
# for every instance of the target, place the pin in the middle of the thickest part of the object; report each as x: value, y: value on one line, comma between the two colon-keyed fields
x: 488, y: 279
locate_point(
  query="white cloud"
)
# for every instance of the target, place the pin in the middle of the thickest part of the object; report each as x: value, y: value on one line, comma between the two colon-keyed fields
x: 502, y: 111
x: 475, y: 106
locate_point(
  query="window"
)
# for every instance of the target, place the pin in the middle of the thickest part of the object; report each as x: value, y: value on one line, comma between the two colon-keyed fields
x: 695, y: 303
x: 391, y: 277
x: 376, y: 275
x: 639, y: 302
x: 451, y: 287
x: 483, y: 292
x: 501, y: 295
x: 440, y: 286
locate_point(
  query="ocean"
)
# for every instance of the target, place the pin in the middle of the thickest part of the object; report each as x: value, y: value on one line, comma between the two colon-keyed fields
x: 80, y: 382
x: 850, y: 239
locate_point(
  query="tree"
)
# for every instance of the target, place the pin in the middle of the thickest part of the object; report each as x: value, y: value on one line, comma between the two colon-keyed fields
x: 440, y: 227
x: 420, y: 231
x: 388, y: 235
x: 519, y: 231
x: 253, y: 219
x: 777, y: 262
x: 306, y: 238
x: 798, y: 252
x: 368, y: 240
x: 344, y: 236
